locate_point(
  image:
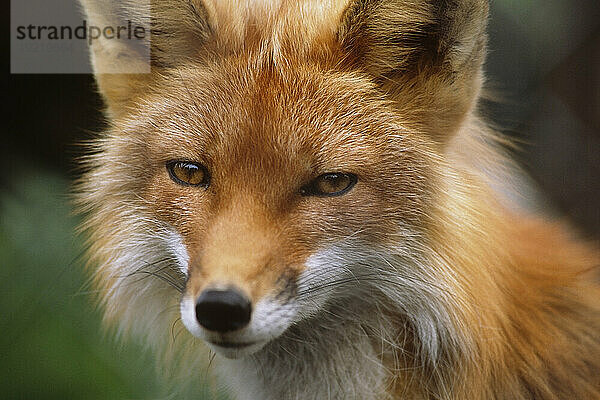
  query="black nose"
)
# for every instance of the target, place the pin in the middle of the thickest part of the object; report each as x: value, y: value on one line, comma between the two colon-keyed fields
x: 223, y: 310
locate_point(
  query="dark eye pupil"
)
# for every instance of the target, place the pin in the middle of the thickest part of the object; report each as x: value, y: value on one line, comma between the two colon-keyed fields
x: 189, y: 170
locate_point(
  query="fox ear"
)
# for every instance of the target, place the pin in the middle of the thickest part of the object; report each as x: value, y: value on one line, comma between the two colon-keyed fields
x: 426, y: 55
x: 132, y: 41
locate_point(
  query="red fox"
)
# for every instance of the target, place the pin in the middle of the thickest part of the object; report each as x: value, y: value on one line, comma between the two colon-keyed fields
x: 308, y: 187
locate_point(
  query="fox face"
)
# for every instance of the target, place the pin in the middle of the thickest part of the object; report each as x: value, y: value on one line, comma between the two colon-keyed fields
x: 267, y: 171
x: 274, y: 187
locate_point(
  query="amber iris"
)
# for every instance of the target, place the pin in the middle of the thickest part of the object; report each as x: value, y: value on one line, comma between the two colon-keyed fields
x: 188, y: 173
x: 330, y: 184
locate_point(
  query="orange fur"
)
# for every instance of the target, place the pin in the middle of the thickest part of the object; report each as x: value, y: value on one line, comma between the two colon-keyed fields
x: 458, y: 294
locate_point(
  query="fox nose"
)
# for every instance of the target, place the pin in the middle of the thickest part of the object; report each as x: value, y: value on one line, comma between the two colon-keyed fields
x: 223, y: 310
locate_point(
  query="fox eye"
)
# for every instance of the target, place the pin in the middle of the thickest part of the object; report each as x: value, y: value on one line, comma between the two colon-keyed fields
x: 188, y: 173
x: 330, y: 184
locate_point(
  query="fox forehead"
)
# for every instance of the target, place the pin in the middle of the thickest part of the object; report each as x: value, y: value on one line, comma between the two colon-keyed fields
x: 243, y: 117
x: 271, y: 122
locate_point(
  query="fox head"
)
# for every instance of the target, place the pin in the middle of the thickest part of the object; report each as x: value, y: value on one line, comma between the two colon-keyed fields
x: 279, y: 159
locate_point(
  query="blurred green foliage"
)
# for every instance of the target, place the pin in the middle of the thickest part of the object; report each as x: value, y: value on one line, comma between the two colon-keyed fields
x: 53, y: 344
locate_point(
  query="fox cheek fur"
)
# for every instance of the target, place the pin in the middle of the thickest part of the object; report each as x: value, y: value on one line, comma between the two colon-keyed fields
x: 309, y: 187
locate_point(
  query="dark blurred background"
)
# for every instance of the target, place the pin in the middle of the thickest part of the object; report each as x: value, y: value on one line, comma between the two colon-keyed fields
x: 543, y: 66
